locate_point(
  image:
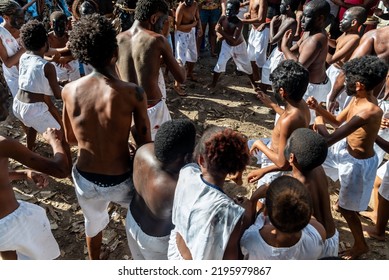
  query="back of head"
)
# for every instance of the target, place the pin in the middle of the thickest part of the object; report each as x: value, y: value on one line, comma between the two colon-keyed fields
x: 320, y: 8
x: 33, y: 35
x: 93, y: 40
x: 8, y: 7
x: 234, y: 3
x: 358, y: 13
x: 292, y: 77
x: 223, y: 149
x: 174, y: 139
x: 289, y: 204
x: 309, y: 148
x: 146, y: 8
x: 368, y: 70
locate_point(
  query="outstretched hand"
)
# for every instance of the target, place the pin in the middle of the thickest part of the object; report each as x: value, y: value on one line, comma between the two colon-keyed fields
x: 52, y: 134
x: 39, y: 179
x: 264, y: 98
x: 255, y: 175
x: 287, y: 38
x: 312, y: 103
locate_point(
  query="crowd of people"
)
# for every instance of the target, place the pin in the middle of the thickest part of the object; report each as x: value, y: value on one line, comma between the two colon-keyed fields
x: 322, y: 66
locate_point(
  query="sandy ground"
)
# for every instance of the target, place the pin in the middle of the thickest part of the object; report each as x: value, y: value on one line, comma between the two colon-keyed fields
x: 232, y: 104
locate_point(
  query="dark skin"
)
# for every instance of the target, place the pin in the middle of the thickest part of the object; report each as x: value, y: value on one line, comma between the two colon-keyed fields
x: 58, y: 166
x: 140, y: 50
x: 97, y: 117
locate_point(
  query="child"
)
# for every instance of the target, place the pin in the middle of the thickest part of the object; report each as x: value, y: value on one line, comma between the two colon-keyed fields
x: 229, y: 28
x: 37, y: 84
x: 286, y: 229
x: 351, y: 156
x: 306, y: 150
x: 24, y: 227
x: 67, y: 68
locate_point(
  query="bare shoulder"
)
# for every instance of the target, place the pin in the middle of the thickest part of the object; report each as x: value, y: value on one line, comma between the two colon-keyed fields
x: 130, y: 90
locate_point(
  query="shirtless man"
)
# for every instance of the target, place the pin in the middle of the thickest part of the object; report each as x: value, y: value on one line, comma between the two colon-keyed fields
x: 140, y: 50
x: 24, y: 227
x: 311, y: 50
x: 98, y: 112
x: 306, y: 150
x: 156, y: 169
x: 345, y: 45
x: 187, y: 19
x: 374, y: 42
x: 290, y: 80
x: 259, y: 35
x: 351, y: 154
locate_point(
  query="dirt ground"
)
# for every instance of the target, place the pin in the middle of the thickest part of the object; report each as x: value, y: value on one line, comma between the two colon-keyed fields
x: 231, y: 104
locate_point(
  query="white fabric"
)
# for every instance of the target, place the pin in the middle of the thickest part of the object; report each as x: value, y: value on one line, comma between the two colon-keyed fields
x: 35, y: 115
x: 161, y: 84
x: 204, y: 216
x: 142, y: 245
x: 11, y: 75
x: 254, y: 247
x: 257, y: 45
x: 27, y: 231
x: 173, y: 252
x: 332, y: 73
x: 32, y: 74
x: 331, y: 246
x: 158, y: 114
x: 186, y: 46
x: 356, y: 176
x: 320, y: 92
x: 384, y: 133
x: 94, y: 200
x: 238, y: 54
x: 271, y: 63
x: 70, y: 72
x: 383, y: 174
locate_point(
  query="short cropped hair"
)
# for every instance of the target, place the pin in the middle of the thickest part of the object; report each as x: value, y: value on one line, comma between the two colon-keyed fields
x: 92, y: 40
x: 146, y: 8
x: 8, y: 7
x: 76, y: 7
x: 289, y: 204
x: 292, y: 77
x: 368, y: 70
x: 33, y: 35
x: 309, y: 148
x: 223, y: 149
x: 293, y: 4
x: 359, y: 13
x: 175, y: 138
x: 58, y: 15
x: 234, y: 3
x: 320, y: 8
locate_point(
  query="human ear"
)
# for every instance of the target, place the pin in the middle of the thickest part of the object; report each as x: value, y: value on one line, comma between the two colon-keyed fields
x: 359, y: 86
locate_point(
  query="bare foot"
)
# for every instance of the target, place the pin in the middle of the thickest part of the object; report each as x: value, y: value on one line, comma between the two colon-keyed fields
x: 210, y: 86
x: 335, y: 207
x: 237, y: 178
x: 371, y: 215
x: 179, y: 91
x: 192, y: 77
x: 354, y: 253
x: 372, y: 233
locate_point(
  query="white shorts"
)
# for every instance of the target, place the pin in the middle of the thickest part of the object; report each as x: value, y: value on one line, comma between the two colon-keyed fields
x: 238, y: 54
x: 331, y: 246
x: 271, y: 63
x: 186, y: 46
x: 69, y: 72
x: 356, y: 176
x: 158, y: 114
x: 143, y: 246
x: 35, y: 115
x: 383, y: 174
x: 94, y: 200
x: 320, y: 92
x: 332, y: 73
x: 173, y: 252
x: 257, y: 45
x: 27, y: 231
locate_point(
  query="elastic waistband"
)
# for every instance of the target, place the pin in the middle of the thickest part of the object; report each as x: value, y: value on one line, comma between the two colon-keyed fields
x: 323, y: 82
x: 103, y: 180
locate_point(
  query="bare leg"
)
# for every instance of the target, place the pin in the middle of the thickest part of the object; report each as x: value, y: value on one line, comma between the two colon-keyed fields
x: 190, y: 74
x: 378, y: 231
x: 31, y: 137
x: 254, y: 85
x: 8, y: 255
x: 94, y: 246
x: 255, y: 70
x: 360, y: 246
x: 215, y: 78
x: 178, y: 89
x: 372, y: 215
x: 212, y: 38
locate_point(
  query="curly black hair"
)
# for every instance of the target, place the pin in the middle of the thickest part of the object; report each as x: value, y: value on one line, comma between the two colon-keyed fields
x: 174, y: 139
x: 309, y: 148
x: 292, y: 77
x: 93, y: 40
x: 289, y: 204
x: 8, y: 7
x: 224, y: 150
x: 368, y: 70
x: 146, y: 8
x: 33, y: 35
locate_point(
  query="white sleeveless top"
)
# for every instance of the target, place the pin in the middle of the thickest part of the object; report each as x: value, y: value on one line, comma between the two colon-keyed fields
x: 203, y: 215
x: 32, y: 75
x: 11, y: 74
